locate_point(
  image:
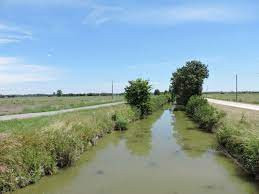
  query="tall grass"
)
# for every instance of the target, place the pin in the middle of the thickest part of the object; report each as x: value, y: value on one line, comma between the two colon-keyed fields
x: 242, y: 144
x: 29, y: 151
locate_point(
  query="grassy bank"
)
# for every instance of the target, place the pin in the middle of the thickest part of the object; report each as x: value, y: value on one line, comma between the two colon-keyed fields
x: 32, y: 148
x: 252, y: 98
x: 238, y: 136
x: 19, y: 105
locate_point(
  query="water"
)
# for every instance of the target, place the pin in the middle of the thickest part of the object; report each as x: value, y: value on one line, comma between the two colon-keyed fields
x: 164, y: 154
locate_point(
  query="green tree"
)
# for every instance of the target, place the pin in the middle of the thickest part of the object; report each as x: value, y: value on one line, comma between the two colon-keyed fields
x: 59, y: 93
x: 188, y: 80
x: 157, y: 92
x: 138, y: 95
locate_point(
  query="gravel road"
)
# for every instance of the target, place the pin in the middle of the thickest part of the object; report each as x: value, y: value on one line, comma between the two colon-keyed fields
x: 235, y: 104
x: 32, y: 115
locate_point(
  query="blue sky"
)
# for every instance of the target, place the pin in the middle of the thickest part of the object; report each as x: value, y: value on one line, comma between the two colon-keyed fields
x: 82, y: 45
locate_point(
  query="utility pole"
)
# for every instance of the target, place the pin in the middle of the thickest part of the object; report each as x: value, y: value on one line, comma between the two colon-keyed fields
x: 112, y: 89
x: 236, y: 88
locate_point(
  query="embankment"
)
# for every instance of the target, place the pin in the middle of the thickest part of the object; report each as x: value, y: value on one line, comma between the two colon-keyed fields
x: 236, y: 138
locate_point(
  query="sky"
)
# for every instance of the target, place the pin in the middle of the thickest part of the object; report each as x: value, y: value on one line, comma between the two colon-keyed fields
x: 80, y: 46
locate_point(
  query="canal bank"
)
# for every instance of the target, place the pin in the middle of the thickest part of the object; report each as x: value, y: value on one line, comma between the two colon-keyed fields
x: 162, y: 154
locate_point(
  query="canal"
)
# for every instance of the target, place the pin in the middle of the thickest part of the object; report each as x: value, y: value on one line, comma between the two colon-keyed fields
x: 164, y: 154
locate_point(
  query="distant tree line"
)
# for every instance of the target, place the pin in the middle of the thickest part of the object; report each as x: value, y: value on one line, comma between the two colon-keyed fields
x: 60, y: 94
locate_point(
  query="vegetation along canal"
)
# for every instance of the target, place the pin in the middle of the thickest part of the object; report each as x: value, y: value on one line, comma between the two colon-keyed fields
x: 165, y: 153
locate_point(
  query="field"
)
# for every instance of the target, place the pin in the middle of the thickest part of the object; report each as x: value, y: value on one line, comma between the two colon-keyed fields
x: 234, y: 115
x: 19, y: 105
x: 252, y: 98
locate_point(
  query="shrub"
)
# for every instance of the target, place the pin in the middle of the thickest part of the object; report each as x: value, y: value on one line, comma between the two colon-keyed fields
x: 242, y: 144
x: 194, y: 103
x: 204, y: 114
x: 121, y: 125
x: 120, y: 122
x: 138, y: 95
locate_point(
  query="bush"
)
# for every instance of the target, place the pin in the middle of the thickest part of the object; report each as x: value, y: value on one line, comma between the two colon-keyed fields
x: 138, y: 95
x: 242, y: 144
x: 121, y: 125
x: 204, y: 114
x: 194, y: 103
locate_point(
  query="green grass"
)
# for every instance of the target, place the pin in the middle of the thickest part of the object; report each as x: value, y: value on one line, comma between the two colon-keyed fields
x: 43, y: 104
x: 252, y: 98
x: 239, y: 135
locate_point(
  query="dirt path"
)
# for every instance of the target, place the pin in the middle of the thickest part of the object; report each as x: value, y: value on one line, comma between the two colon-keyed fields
x: 32, y: 115
x: 235, y: 104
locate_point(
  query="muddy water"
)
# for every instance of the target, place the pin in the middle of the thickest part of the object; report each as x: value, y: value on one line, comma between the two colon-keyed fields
x: 164, y: 154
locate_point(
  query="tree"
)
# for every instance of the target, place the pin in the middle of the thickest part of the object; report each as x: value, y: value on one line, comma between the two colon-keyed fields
x: 157, y: 92
x: 188, y: 80
x: 59, y: 93
x: 138, y: 95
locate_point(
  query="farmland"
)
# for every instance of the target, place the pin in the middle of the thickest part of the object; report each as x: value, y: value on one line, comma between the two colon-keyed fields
x: 20, y: 105
x: 252, y: 97
x: 248, y: 119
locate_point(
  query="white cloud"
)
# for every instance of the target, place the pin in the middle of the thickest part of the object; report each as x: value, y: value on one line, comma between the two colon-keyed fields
x: 99, y: 14
x: 10, y: 34
x: 169, y: 15
x: 15, y: 71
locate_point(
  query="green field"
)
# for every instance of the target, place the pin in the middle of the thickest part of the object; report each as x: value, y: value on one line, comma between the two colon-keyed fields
x: 252, y: 98
x: 19, y: 105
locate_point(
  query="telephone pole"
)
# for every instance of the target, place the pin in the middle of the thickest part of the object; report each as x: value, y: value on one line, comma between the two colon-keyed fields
x: 112, y: 89
x: 236, y: 87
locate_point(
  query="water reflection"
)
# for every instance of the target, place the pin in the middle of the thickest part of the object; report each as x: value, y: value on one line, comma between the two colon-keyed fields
x: 139, y: 136
x: 187, y: 135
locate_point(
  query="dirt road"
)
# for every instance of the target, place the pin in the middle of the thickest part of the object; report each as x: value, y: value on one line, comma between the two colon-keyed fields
x: 235, y: 104
x: 32, y: 115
